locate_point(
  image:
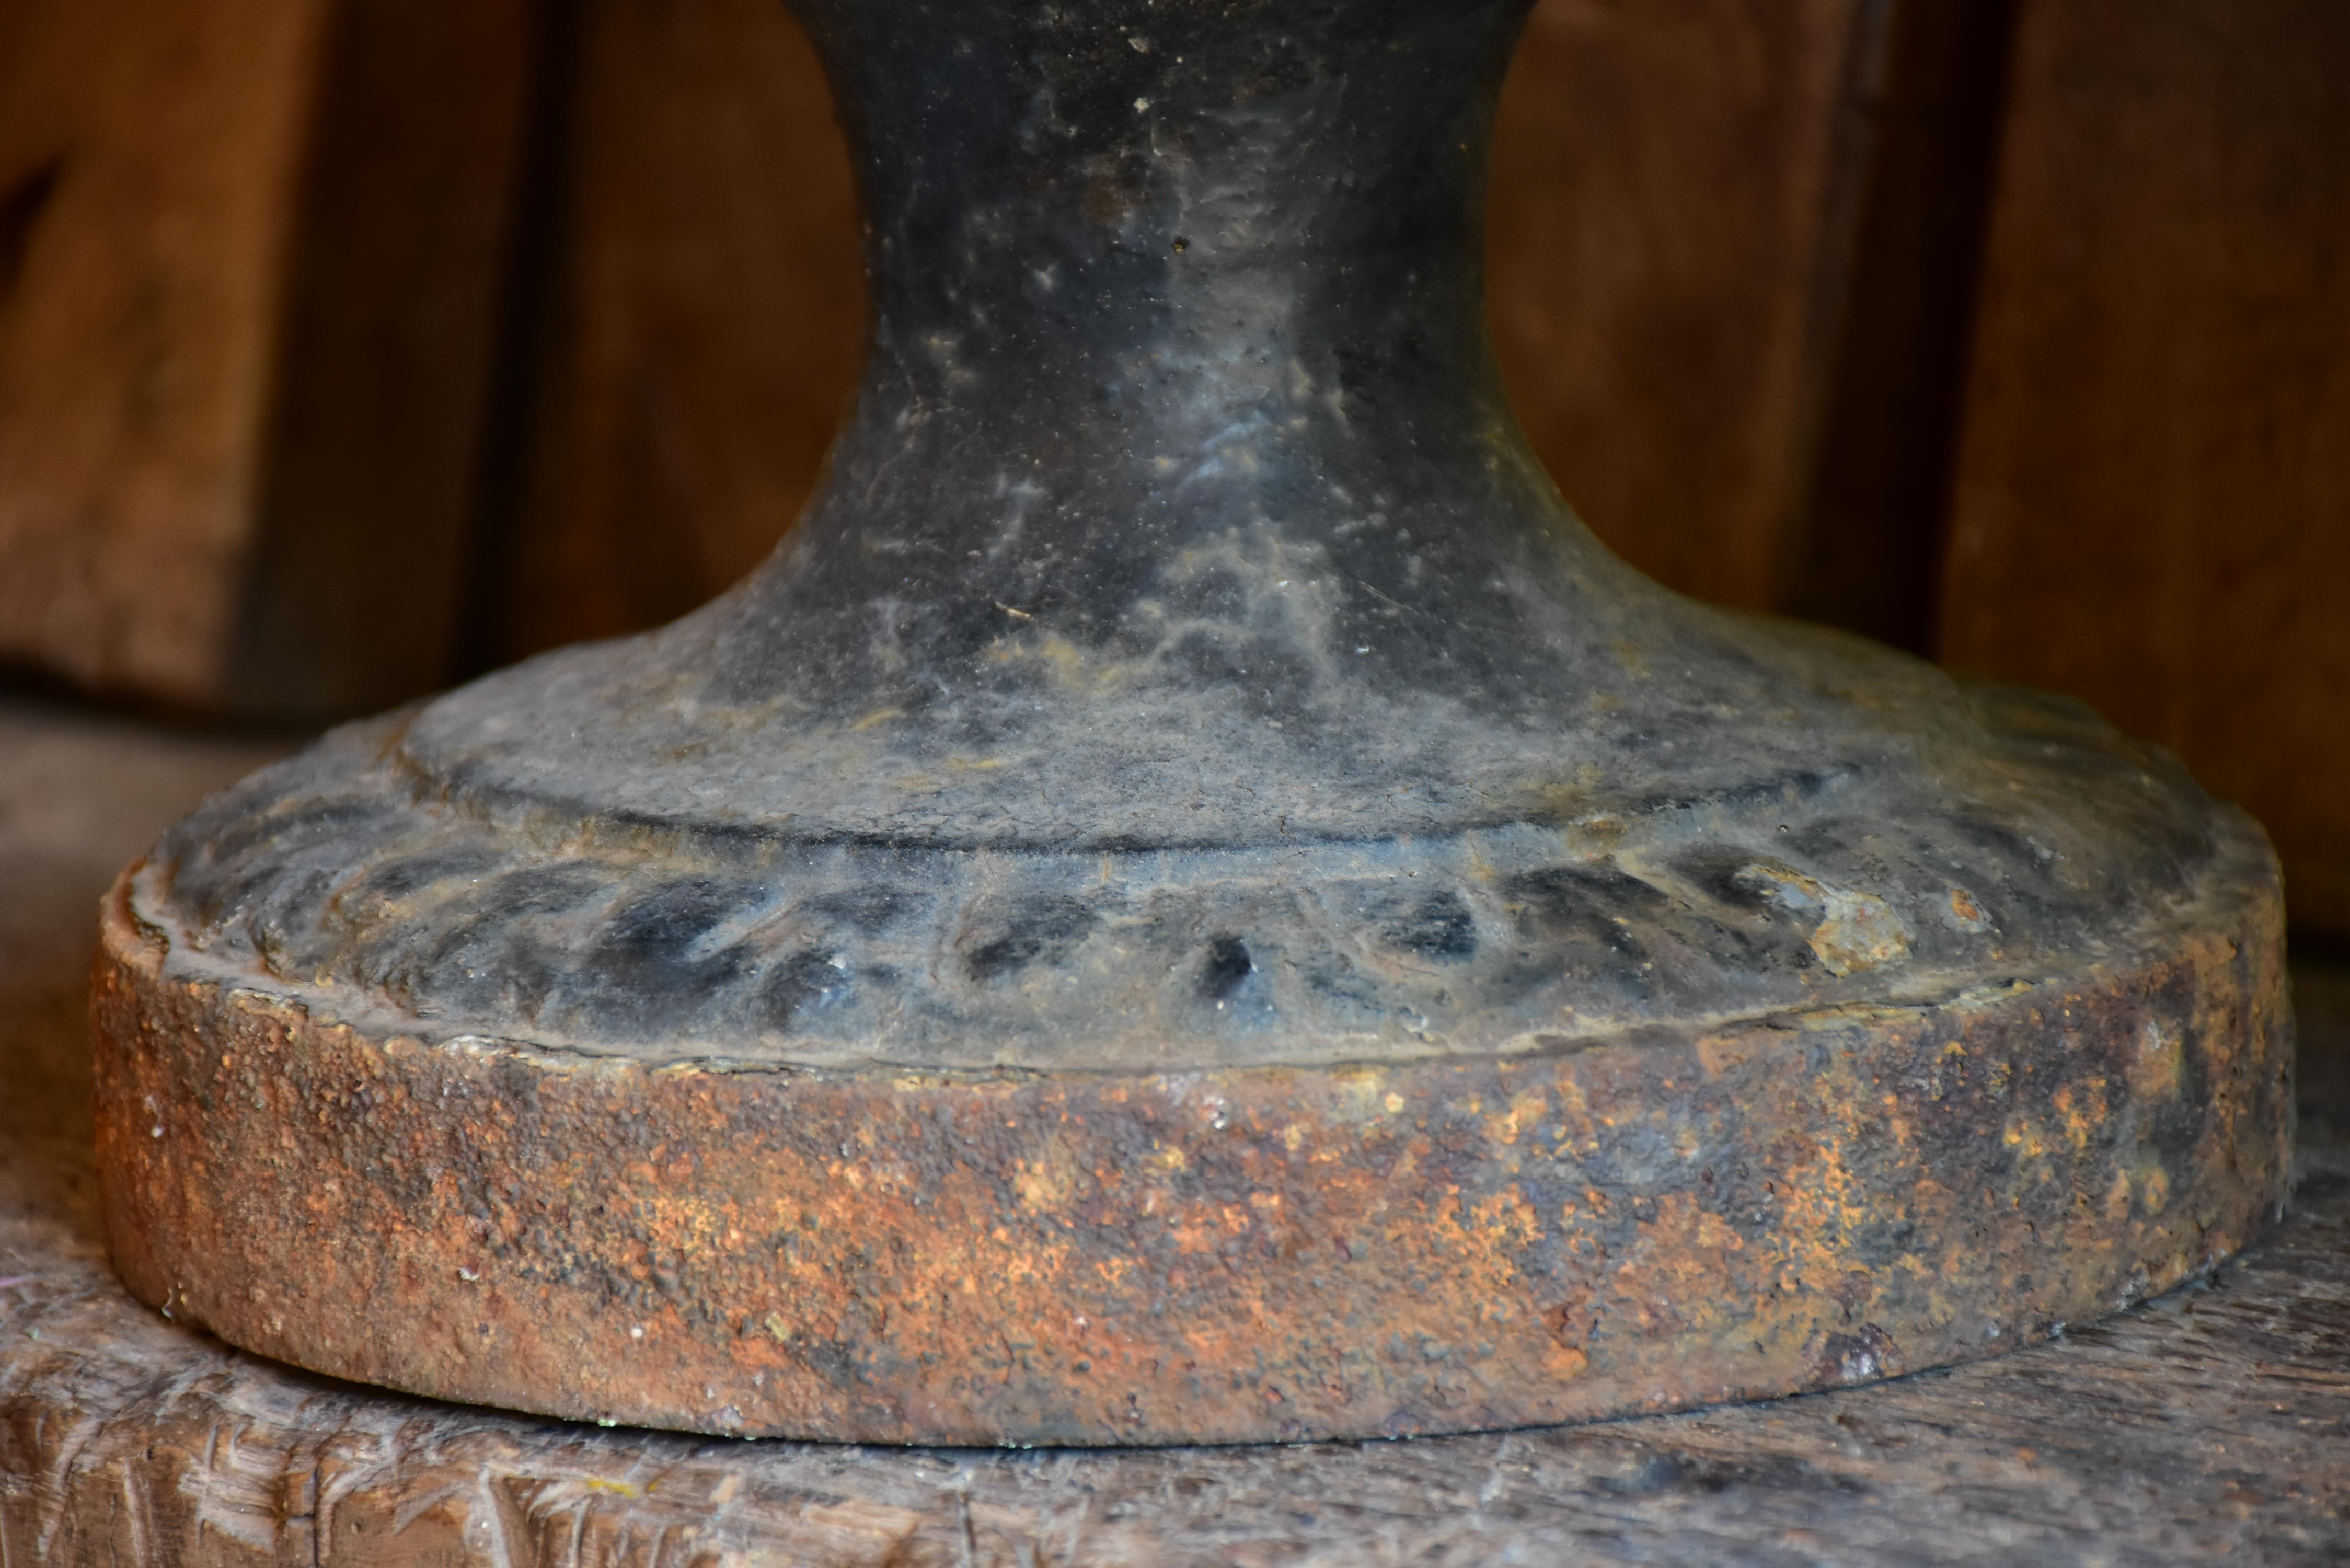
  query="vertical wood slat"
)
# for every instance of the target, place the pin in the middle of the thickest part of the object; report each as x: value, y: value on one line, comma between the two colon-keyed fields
x: 149, y: 153
x: 703, y: 322
x: 248, y: 258
x: 1733, y: 253
x: 1663, y: 203
x: 1895, y: 316
x: 389, y: 334
x: 2152, y: 508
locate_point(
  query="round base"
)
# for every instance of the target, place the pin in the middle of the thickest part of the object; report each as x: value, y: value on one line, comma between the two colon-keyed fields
x: 1656, y: 1216
x: 1190, y: 899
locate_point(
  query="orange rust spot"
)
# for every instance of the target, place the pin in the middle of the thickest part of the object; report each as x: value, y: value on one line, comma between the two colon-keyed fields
x: 1526, y: 1107
x: 1564, y: 1361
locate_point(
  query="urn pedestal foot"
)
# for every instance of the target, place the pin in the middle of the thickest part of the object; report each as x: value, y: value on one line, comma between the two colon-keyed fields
x: 1190, y: 900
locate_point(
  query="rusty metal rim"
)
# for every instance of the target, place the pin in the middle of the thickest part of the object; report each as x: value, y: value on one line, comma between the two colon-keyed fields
x: 1209, y: 1256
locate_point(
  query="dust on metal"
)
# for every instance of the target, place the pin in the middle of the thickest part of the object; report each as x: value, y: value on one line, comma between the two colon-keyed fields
x: 1191, y: 899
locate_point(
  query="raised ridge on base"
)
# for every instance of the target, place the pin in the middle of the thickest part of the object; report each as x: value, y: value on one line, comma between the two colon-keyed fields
x: 1668, y: 1217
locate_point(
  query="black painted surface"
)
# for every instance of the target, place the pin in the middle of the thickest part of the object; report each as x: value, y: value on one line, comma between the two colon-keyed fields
x: 1186, y: 660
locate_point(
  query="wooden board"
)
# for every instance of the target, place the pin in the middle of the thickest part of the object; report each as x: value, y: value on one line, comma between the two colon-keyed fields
x: 1866, y: 546
x: 2153, y: 504
x: 390, y: 335
x: 249, y: 254
x: 149, y: 153
x: 1663, y: 209
x: 702, y: 321
x: 2212, y: 1423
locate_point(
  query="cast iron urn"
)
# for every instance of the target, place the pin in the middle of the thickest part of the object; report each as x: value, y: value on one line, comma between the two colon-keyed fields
x: 1189, y: 900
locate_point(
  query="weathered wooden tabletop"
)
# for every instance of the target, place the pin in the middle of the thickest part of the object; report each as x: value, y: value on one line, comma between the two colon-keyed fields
x: 2215, y: 1421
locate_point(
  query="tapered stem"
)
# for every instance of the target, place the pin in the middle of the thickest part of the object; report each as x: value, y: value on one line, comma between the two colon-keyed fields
x: 1167, y: 241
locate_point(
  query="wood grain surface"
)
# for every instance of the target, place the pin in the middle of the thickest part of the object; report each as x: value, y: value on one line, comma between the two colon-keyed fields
x: 1660, y: 214
x: 2213, y: 1422
x: 1918, y: 145
x: 249, y: 256
x: 699, y: 320
x: 2153, y: 501
x: 150, y: 154
x: 388, y: 339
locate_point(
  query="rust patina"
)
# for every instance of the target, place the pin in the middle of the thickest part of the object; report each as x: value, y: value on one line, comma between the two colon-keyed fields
x: 1635, y: 1222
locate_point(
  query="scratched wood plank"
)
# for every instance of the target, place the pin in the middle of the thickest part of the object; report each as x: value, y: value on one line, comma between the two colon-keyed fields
x: 2212, y: 1423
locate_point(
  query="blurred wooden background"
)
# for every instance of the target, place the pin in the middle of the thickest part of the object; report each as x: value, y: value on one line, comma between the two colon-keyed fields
x: 350, y: 346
